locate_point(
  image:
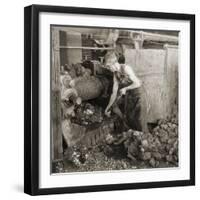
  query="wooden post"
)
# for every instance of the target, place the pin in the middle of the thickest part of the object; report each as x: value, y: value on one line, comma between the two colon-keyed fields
x: 171, y: 80
x: 57, y: 151
x: 138, y: 40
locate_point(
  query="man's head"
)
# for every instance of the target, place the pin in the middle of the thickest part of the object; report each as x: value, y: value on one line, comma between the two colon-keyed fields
x: 111, y: 61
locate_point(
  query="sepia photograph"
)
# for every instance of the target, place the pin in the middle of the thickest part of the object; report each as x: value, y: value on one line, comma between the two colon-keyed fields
x: 114, y: 99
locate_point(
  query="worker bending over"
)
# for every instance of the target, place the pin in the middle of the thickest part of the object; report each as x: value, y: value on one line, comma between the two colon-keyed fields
x: 127, y: 84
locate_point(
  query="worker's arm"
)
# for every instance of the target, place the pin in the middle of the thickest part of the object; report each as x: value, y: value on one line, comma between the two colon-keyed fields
x: 135, y: 80
x: 113, y: 95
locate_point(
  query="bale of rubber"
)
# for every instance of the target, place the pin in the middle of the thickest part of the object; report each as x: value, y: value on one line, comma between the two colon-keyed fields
x: 88, y: 87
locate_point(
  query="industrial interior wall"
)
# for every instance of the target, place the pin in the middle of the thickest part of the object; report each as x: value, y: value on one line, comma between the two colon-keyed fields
x: 158, y: 70
x: 74, y: 55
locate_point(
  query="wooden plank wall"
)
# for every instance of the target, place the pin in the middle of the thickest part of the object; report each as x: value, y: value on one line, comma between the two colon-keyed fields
x: 158, y: 70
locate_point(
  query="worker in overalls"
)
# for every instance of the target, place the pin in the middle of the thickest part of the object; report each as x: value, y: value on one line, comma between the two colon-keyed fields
x: 127, y: 84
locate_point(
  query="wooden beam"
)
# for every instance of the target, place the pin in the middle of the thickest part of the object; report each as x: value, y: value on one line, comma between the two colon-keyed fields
x: 80, y: 47
x: 155, y: 36
x: 57, y: 148
x: 170, y: 46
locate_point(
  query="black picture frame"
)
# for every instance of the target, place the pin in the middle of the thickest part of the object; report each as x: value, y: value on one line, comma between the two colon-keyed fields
x: 31, y: 98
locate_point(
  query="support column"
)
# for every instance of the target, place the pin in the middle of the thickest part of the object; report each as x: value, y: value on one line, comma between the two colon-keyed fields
x: 56, y: 137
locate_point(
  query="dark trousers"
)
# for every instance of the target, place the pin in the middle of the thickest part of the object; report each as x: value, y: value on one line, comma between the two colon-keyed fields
x: 136, y: 110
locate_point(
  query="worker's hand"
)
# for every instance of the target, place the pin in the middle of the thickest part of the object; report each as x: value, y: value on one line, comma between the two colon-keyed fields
x: 122, y: 92
x: 107, y: 112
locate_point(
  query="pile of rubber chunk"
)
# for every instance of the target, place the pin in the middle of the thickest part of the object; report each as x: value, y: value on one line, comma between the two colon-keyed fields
x: 87, y: 114
x: 156, y: 149
x: 95, y: 160
x: 159, y: 148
